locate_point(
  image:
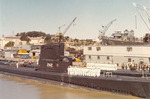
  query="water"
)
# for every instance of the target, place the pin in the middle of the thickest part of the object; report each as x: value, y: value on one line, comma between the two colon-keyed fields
x: 19, y: 88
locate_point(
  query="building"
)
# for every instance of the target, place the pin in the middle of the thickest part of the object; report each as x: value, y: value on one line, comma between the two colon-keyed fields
x: 117, y: 54
x: 35, y: 51
x: 8, y: 53
x: 36, y: 40
x: 18, y: 47
x: 15, y: 39
x: 126, y: 36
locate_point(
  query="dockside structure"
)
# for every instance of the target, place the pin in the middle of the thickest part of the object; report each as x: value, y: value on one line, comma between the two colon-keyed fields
x: 117, y: 54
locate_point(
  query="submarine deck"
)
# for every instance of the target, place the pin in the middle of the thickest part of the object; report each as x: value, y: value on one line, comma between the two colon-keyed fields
x: 27, y: 70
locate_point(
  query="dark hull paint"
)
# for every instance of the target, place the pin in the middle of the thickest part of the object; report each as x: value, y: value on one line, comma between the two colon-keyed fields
x: 131, y: 73
x: 106, y: 41
x: 126, y: 85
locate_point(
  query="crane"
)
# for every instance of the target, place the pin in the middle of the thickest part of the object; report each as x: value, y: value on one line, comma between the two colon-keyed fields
x: 105, y: 28
x: 69, y: 26
x: 60, y: 35
x: 141, y: 15
x: 59, y: 28
x: 145, y: 9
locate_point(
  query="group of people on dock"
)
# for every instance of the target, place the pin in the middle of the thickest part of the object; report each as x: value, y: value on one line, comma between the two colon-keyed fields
x: 135, y: 66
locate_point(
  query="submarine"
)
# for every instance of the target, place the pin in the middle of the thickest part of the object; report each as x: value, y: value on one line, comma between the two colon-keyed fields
x: 53, y: 65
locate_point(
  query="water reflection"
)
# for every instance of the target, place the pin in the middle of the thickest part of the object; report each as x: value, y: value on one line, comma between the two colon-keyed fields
x: 19, y: 88
x: 10, y: 89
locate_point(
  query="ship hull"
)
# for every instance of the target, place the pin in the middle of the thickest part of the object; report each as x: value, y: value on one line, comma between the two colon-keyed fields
x: 123, y: 85
x: 106, y: 41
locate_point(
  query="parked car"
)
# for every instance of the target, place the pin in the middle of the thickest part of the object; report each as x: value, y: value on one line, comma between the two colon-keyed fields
x: 25, y: 57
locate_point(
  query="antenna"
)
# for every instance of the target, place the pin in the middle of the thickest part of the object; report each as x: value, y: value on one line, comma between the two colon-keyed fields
x: 135, y: 22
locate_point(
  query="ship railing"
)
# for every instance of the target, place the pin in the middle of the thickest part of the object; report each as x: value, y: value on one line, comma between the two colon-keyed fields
x: 108, y: 74
x: 109, y: 67
x: 83, y: 71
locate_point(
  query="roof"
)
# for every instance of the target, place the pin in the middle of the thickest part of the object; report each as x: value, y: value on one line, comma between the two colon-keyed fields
x: 35, y: 38
x: 117, y: 34
x: 10, y: 50
x: 22, y: 51
x: 12, y: 37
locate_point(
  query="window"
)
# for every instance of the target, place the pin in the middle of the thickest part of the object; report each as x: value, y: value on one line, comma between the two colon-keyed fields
x: 98, y: 48
x: 129, y: 59
x: 129, y: 49
x: 90, y: 57
x: 98, y: 57
x: 89, y: 48
x: 107, y: 57
x: 33, y: 53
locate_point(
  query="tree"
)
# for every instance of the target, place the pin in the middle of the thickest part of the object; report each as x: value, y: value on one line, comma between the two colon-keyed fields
x: 9, y: 44
x: 35, y: 34
x: 24, y: 37
x: 47, y: 38
x: 32, y: 34
x: 66, y: 38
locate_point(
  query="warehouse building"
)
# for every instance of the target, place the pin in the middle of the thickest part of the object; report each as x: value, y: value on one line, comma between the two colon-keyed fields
x: 117, y: 54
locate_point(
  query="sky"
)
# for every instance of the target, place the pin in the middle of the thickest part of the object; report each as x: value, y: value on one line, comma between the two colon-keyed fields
x: 47, y: 15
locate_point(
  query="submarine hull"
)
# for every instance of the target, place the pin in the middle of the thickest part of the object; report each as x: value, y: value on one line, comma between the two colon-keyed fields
x: 125, y: 85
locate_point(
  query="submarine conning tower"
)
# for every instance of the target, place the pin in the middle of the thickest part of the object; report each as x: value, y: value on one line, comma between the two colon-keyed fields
x: 52, y: 58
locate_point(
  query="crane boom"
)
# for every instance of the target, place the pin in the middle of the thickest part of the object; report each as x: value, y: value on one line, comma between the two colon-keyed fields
x: 141, y: 16
x: 61, y: 26
x: 102, y: 33
x: 145, y: 9
x: 108, y: 25
x: 69, y: 26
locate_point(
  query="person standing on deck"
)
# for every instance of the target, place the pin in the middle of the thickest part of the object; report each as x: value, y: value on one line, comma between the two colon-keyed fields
x: 17, y: 64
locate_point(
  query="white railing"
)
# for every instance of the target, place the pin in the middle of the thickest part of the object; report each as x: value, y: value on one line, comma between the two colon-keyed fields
x: 92, y: 69
x: 108, y: 67
x: 83, y: 71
